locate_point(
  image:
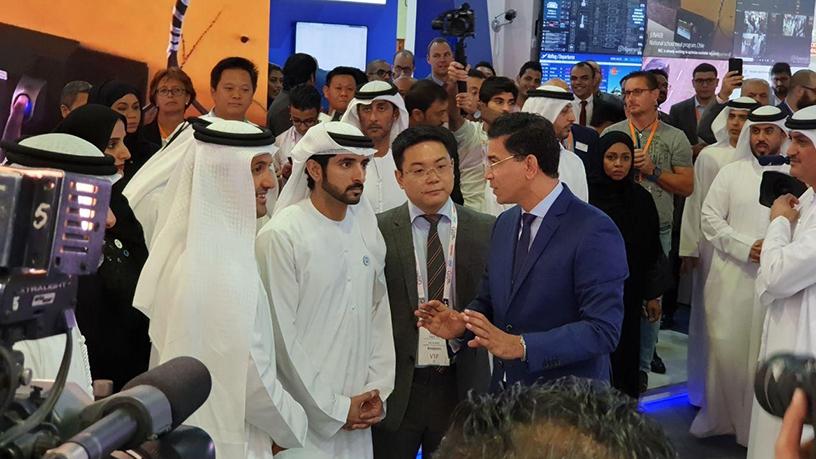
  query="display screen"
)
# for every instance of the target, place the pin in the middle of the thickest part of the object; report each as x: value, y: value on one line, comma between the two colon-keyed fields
x: 690, y: 28
x: 613, y: 68
x: 332, y: 44
x: 680, y: 75
x: 768, y: 31
x: 593, y: 26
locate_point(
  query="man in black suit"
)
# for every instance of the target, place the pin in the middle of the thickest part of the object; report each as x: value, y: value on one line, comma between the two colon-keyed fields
x: 593, y: 108
x: 299, y: 68
x: 434, y: 239
x: 780, y: 77
x: 686, y: 114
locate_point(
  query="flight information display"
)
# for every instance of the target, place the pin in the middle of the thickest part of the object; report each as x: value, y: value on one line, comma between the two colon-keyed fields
x: 593, y: 26
x: 613, y: 68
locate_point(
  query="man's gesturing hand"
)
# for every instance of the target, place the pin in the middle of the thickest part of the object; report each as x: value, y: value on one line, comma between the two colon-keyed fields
x: 502, y: 345
x: 440, y: 320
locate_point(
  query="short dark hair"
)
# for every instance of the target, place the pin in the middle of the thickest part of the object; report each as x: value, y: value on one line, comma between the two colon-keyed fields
x: 704, y: 67
x: 530, y: 65
x: 781, y: 67
x: 174, y: 73
x: 404, y: 52
x: 651, y: 80
x: 494, y: 86
x: 71, y: 90
x: 357, y: 74
x: 569, y: 417
x: 273, y: 67
x: 234, y: 63
x: 304, y: 97
x: 419, y: 134
x: 585, y: 64
x: 299, y: 68
x: 485, y: 64
x: 323, y: 160
x: 476, y: 74
x: 662, y: 72
x: 529, y: 134
x: 437, y: 41
x: 423, y: 94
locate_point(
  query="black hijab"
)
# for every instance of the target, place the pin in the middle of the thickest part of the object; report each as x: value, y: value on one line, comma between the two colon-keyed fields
x: 110, y: 91
x: 92, y: 122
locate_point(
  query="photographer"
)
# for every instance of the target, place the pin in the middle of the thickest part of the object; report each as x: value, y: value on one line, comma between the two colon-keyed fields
x: 786, y: 282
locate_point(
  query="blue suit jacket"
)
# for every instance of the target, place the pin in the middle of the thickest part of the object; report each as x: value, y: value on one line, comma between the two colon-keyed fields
x: 567, y: 300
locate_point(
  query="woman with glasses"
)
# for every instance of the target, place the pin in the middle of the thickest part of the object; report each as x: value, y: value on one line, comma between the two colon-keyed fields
x: 171, y: 92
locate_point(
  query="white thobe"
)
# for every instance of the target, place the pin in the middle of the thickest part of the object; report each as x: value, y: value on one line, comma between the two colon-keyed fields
x: 471, y: 139
x: 44, y: 356
x: 732, y: 221
x: 286, y: 141
x: 381, y: 187
x: 786, y: 285
x: 332, y: 317
x: 693, y: 244
x: 571, y: 172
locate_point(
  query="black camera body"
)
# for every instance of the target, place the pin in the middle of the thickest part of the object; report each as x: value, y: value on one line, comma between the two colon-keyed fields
x: 459, y: 23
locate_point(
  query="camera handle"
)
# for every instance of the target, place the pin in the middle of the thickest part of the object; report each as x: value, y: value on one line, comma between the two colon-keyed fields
x: 460, y: 57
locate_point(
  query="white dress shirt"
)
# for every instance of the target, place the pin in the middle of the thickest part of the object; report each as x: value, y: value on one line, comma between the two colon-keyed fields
x: 419, y: 229
x: 540, y: 211
x: 576, y: 109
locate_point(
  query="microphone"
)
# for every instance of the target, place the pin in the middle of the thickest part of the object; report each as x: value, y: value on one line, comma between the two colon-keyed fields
x: 773, y: 160
x: 150, y: 404
x: 185, y: 381
x: 778, y: 377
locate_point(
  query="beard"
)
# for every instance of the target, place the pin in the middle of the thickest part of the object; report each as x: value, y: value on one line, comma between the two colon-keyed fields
x: 345, y: 196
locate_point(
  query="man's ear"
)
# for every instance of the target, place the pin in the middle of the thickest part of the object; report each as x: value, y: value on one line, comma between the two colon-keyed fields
x: 315, y: 170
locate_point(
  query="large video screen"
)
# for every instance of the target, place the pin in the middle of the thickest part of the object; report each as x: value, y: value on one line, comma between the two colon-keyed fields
x: 613, y: 68
x: 768, y: 31
x: 680, y: 76
x: 593, y: 26
x: 690, y: 28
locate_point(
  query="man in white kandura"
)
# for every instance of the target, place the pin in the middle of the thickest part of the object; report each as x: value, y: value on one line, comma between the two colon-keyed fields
x: 322, y: 261
x: 734, y: 223
x: 202, y: 291
x: 694, y: 249
x: 786, y: 283
x: 233, y: 81
x: 379, y: 112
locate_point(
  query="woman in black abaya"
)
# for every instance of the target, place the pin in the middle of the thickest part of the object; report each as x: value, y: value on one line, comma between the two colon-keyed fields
x: 613, y: 189
x: 115, y: 331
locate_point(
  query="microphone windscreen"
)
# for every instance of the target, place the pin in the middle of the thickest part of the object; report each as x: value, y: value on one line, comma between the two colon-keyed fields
x: 185, y: 381
x: 775, y: 184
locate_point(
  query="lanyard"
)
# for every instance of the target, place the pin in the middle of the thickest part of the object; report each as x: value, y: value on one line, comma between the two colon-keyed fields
x: 651, y: 136
x: 446, y: 291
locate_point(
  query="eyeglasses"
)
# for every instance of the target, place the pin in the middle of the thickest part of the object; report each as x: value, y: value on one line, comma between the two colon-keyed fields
x: 382, y: 73
x: 175, y: 92
x: 705, y: 81
x: 309, y: 122
x: 492, y: 166
x: 402, y: 70
x: 439, y: 170
x: 635, y: 92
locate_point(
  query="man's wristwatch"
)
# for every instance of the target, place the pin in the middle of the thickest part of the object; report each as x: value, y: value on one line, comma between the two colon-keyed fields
x: 656, y: 172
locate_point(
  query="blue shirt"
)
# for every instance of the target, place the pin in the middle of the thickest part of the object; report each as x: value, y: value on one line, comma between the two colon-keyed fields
x: 540, y: 211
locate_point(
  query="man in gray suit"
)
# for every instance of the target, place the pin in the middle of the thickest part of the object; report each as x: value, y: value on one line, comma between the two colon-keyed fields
x: 444, y: 245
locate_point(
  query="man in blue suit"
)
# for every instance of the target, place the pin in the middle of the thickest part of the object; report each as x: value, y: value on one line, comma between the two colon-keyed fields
x: 551, y: 299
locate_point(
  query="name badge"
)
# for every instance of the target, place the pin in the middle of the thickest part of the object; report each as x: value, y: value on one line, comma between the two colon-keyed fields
x: 433, y: 350
x: 581, y: 146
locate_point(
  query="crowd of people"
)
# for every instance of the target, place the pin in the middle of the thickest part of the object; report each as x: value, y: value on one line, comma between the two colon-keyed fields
x: 352, y: 271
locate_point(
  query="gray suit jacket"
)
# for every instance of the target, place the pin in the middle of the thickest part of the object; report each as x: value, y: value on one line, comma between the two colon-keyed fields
x: 472, y: 243
x: 684, y: 117
x: 277, y: 116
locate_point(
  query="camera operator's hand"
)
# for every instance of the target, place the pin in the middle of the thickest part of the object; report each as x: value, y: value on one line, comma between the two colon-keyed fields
x: 784, y: 206
x: 456, y: 73
x: 466, y: 102
x: 788, y: 443
x: 732, y: 81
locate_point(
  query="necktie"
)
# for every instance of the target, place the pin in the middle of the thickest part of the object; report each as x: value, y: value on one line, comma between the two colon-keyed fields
x: 523, y: 244
x: 435, y: 260
x: 582, y: 118
x: 337, y: 116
